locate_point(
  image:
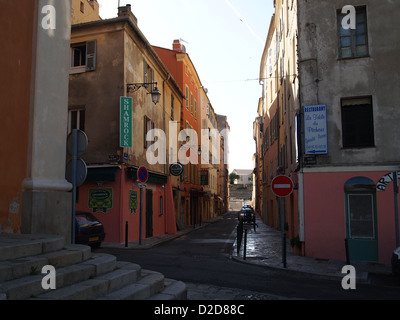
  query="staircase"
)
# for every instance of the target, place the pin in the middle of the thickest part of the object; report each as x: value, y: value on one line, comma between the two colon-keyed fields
x: 80, y: 274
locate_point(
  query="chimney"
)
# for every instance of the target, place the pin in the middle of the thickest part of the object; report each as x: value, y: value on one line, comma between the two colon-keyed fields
x: 178, y: 47
x: 126, y: 12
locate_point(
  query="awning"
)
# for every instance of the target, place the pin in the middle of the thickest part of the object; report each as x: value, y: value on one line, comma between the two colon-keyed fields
x: 101, y: 173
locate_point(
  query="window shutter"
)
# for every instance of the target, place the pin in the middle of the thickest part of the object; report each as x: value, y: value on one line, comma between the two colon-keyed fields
x: 91, y: 48
x: 144, y: 131
x: 145, y: 73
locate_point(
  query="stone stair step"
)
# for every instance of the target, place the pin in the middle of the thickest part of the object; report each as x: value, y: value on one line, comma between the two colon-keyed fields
x: 154, y: 279
x: 94, y: 286
x: 103, y: 263
x: 148, y: 285
x: 31, y: 285
x: 174, y: 290
x: 80, y: 274
x: 15, y: 246
x: 23, y: 266
x: 84, y: 290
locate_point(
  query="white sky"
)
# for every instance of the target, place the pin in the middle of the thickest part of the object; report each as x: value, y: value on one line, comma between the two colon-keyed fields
x: 225, y: 40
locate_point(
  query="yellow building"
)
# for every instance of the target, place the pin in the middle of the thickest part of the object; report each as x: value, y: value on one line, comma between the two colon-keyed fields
x: 84, y: 11
x: 276, y: 125
x: 210, y: 153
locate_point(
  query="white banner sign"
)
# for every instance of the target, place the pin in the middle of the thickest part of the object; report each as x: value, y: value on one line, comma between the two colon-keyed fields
x: 315, y: 130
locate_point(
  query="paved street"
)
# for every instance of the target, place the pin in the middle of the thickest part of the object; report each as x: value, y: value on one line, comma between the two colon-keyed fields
x: 205, y: 261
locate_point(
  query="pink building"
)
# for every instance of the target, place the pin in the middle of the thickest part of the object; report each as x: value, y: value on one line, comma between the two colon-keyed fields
x: 348, y: 205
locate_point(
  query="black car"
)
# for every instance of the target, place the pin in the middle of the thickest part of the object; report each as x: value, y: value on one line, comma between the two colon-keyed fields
x: 246, y: 214
x: 88, y: 229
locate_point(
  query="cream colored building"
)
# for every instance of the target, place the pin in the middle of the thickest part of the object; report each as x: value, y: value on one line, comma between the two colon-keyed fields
x: 210, y: 152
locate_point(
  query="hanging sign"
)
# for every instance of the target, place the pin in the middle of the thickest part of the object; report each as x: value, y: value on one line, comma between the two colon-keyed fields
x: 133, y: 200
x: 126, y: 122
x: 315, y: 130
x: 176, y: 169
x: 100, y: 199
x: 385, y: 180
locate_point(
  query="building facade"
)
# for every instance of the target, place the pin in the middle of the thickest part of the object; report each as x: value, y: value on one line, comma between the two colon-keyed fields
x: 223, y: 176
x: 210, y: 141
x: 114, y: 71
x: 183, y: 70
x: 353, y: 72
x: 334, y: 127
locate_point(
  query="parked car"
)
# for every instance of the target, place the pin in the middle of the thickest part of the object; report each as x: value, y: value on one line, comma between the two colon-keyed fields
x: 248, y: 206
x: 88, y: 229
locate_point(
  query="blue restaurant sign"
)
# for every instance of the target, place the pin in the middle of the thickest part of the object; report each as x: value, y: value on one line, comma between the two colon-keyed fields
x: 315, y: 130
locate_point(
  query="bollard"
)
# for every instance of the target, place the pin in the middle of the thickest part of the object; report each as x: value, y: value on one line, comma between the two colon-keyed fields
x: 245, y: 244
x: 239, y: 229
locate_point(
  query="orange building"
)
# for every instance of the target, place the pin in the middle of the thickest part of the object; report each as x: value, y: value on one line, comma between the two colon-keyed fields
x: 185, y: 74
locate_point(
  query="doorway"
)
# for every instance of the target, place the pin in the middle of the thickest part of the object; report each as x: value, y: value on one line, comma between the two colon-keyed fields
x: 361, y: 220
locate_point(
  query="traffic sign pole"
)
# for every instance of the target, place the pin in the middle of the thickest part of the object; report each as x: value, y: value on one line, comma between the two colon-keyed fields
x: 140, y: 216
x: 143, y: 176
x: 74, y: 165
x: 282, y: 187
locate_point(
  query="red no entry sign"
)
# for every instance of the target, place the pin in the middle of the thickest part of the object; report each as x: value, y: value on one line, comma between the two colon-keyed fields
x: 143, y: 174
x: 282, y: 186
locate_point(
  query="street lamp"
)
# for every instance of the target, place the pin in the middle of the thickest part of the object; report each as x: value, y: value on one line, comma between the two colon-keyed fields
x: 155, y: 93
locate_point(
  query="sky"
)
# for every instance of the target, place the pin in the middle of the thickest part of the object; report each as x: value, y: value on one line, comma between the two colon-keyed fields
x: 225, y: 40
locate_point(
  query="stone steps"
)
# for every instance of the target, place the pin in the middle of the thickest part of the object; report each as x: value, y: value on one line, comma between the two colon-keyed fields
x: 80, y: 274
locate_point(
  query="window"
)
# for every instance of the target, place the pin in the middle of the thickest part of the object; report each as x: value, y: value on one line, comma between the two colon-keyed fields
x: 361, y: 215
x: 148, y: 125
x: 187, y: 97
x: 82, y: 7
x: 195, y: 109
x: 191, y: 103
x: 353, y: 43
x: 83, y: 56
x: 76, y: 119
x: 360, y: 195
x: 78, y: 55
x: 148, y: 76
x: 357, y: 123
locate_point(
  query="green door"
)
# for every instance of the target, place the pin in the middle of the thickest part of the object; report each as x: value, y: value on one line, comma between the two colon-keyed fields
x: 361, y: 220
x: 361, y: 228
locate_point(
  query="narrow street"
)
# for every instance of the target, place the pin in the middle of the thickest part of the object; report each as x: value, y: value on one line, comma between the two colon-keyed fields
x: 202, y: 259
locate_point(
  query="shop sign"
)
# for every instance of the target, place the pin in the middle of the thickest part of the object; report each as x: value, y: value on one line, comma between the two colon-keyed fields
x: 101, y: 199
x: 385, y: 180
x: 176, y: 169
x: 126, y: 122
x: 315, y: 130
x: 133, y: 200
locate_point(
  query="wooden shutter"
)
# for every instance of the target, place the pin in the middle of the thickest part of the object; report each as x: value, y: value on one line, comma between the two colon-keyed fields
x: 145, y: 73
x: 91, y: 48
